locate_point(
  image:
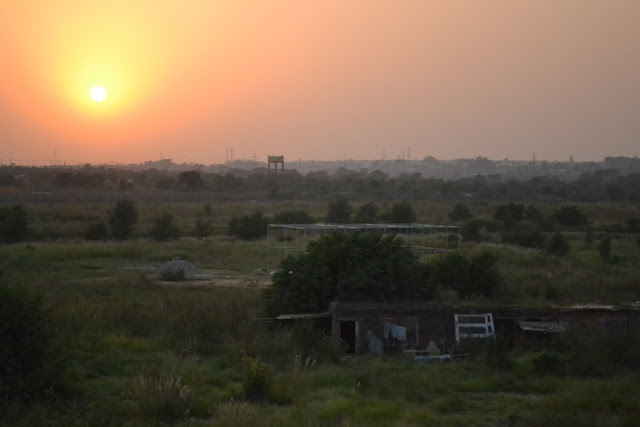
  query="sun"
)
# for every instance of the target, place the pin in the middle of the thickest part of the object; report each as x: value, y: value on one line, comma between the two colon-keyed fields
x: 98, y: 94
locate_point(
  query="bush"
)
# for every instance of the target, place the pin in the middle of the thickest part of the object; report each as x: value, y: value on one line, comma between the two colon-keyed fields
x: 256, y: 378
x: 339, y: 212
x: 164, y: 227
x: 97, y: 230
x: 314, y: 344
x: 401, y: 213
x: 525, y: 234
x: 497, y: 353
x: 477, y: 275
x: 160, y: 394
x: 510, y: 213
x: 202, y: 228
x: 122, y: 219
x: 472, y: 230
x: 367, y: 214
x: 549, y: 364
x: 570, y: 216
x: 558, y: 245
x: 13, y: 224
x: 29, y: 363
x: 604, y: 248
x: 459, y: 213
x: 249, y: 227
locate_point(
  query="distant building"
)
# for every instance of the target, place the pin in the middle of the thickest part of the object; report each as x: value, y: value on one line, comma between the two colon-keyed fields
x: 275, y: 161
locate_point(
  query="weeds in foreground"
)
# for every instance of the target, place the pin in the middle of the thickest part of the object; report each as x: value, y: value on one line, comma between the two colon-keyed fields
x: 159, y: 394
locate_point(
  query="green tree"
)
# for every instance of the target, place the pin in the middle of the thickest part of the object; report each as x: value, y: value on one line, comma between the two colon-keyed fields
x: 339, y: 212
x: 367, y: 214
x: 570, y: 216
x: 401, y: 213
x: 13, y: 224
x: 509, y: 213
x: 122, y: 219
x: 460, y: 213
x: 532, y: 214
x: 248, y: 227
x: 558, y: 245
x: 478, y: 275
x: 164, y: 227
x: 348, y: 267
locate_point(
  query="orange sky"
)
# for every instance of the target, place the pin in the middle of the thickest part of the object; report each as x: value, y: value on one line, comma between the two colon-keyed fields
x: 323, y: 80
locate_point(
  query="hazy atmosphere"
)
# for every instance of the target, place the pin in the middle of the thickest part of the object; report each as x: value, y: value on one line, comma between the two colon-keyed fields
x: 204, y: 81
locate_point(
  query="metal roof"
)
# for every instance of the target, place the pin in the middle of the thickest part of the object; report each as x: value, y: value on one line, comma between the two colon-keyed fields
x: 353, y: 227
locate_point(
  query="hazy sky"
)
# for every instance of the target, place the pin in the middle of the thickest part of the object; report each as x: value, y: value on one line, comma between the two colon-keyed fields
x: 323, y: 80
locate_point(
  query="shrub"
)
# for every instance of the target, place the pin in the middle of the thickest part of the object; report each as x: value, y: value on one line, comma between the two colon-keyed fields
x: 558, y: 245
x: 339, y: 212
x: 472, y: 230
x: 525, y: 234
x: 202, y: 228
x: 459, y: 213
x: 510, y: 213
x: 401, y: 213
x: 164, y: 227
x: 314, y: 344
x: 122, y: 219
x: 549, y: 364
x: 256, y: 378
x: 97, y: 230
x: 570, y: 216
x: 13, y: 224
x: 477, y: 275
x: 367, y: 213
x: 29, y: 363
x: 604, y: 248
x: 160, y: 394
x: 249, y: 227
x: 497, y: 353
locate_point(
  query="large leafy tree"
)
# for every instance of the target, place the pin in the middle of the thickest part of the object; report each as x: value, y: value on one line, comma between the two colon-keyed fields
x: 477, y: 275
x: 348, y: 267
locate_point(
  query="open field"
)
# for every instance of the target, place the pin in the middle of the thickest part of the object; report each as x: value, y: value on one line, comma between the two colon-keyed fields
x: 138, y: 350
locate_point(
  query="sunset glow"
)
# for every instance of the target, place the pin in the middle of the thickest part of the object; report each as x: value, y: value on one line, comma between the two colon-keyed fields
x: 319, y: 80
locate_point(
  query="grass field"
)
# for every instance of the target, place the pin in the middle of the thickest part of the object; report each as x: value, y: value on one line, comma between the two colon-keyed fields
x: 139, y: 351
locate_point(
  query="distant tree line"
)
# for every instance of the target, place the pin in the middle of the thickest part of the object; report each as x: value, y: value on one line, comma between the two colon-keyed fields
x: 601, y: 185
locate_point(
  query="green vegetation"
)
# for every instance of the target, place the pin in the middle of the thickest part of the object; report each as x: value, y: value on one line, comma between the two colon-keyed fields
x: 348, y: 267
x: 122, y: 218
x: 122, y: 347
x: 164, y: 227
x: 339, y: 212
x: 13, y: 224
x: 249, y: 227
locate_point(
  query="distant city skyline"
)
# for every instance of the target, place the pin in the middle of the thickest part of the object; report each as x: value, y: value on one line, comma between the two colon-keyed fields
x: 205, y: 82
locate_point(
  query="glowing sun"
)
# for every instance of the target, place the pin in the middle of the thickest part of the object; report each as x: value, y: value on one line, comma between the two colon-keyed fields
x: 98, y: 94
